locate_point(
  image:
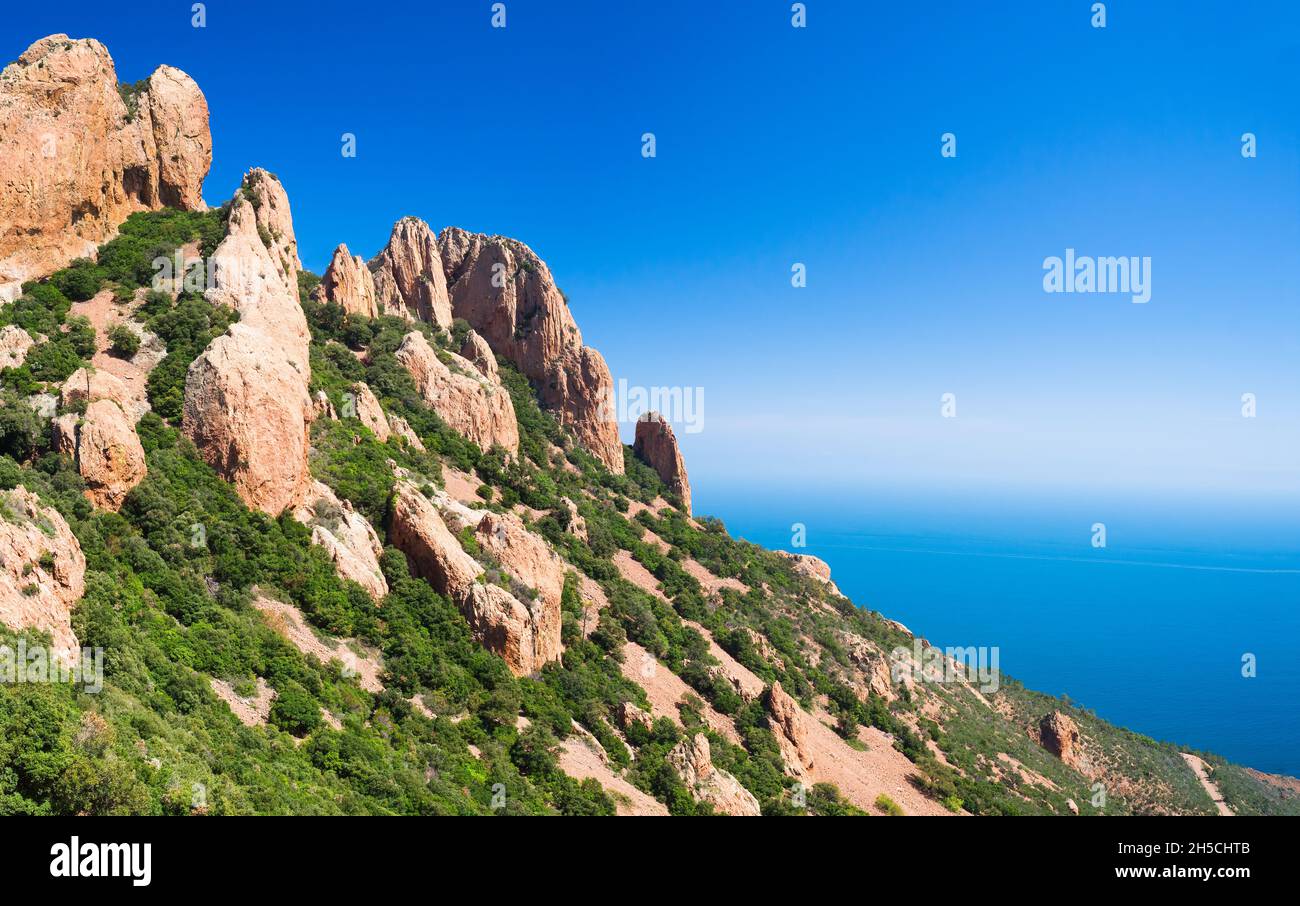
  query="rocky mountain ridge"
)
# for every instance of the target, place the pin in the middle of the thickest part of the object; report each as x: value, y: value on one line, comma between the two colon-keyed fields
x: 372, y: 545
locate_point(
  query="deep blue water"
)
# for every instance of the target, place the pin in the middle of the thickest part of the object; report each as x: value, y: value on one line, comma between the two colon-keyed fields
x: 1149, y: 632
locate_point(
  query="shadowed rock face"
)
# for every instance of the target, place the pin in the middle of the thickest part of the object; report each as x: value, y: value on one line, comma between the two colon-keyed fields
x: 42, y: 570
x: 656, y: 445
x: 508, y: 296
x: 76, y: 159
x: 471, y: 404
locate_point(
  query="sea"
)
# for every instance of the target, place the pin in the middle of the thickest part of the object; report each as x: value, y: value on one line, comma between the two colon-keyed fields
x: 1184, y: 626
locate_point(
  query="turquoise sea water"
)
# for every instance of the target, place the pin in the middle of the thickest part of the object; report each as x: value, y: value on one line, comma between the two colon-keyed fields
x: 1149, y: 632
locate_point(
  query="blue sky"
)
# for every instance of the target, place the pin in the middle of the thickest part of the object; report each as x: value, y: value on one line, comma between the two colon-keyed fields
x: 821, y: 145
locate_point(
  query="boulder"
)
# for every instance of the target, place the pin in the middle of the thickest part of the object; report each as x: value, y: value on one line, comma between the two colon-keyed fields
x: 508, y: 296
x: 408, y: 276
x: 473, y: 406
x: 348, y: 283
x: 108, y: 453
x: 248, y: 413
x: 347, y: 536
x: 1059, y: 734
x: 629, y: 714
x: 42, y: 570
x: 693, y: 760
x: 77, y: 156
x: 813, y: 568
x: 656, y: 446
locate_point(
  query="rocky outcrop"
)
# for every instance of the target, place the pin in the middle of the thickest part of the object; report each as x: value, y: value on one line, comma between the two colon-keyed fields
x: 78, y: 156
x: 786, y: 719
x: 813, y: 568
x: 526, y: 556
x: 471, y: 404
x: 86, y: 385
x: 1059, y: 734
x: 14, y: 345
x: 42, y: 570
x: 348, y: 283
x: 476, y: 351
x: 408, y: 275
x: 576, y: 525
x: 108, y: 453
x: 656, y: 446
x: 369, y: 412
x: 524, y: 634
x: 248, y: 413
x: 508, y: 296
x: 256, y: 267
x: 630, y: 714
x: 400, y: 427
x: 347, y: 536
x: 693, y: 760
x: 247, y: 407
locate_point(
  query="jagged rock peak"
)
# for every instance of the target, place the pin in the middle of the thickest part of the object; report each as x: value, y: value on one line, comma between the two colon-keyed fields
x: 656, y: 446
x: 348, y: 282
x: 408, y: 275
x: 79, y: 155
x: 507, y: 294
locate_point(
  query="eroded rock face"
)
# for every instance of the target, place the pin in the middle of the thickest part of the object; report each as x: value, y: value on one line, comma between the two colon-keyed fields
x: 109, y: 455
x: 368, y: 410
x: 247, y: 411
x: 630, y: 714
x: 508, y: 296
x: 468, y: 402
x: 42, y: 570
x: 88, y: 385
x: 400, y: 427
x: 256, y: 267
x: 348, y: 282
x: 408, y: 275
x: 247, y: 407
x: 786, y: 718
x: 476, y: 351
x: 76, y: 159
x: 528, y: 558
x: 522, y: 633
x: 346, y: 536
x: 14, y: 345
x: 694, y: 762
x: 656, y: 445
x: 1059, y: 734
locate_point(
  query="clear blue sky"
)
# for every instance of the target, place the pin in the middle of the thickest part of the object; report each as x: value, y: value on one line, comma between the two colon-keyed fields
x: 821, y: 145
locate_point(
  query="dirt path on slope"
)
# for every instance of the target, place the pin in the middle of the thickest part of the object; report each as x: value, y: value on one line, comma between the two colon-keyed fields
x: 1198, y: 768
